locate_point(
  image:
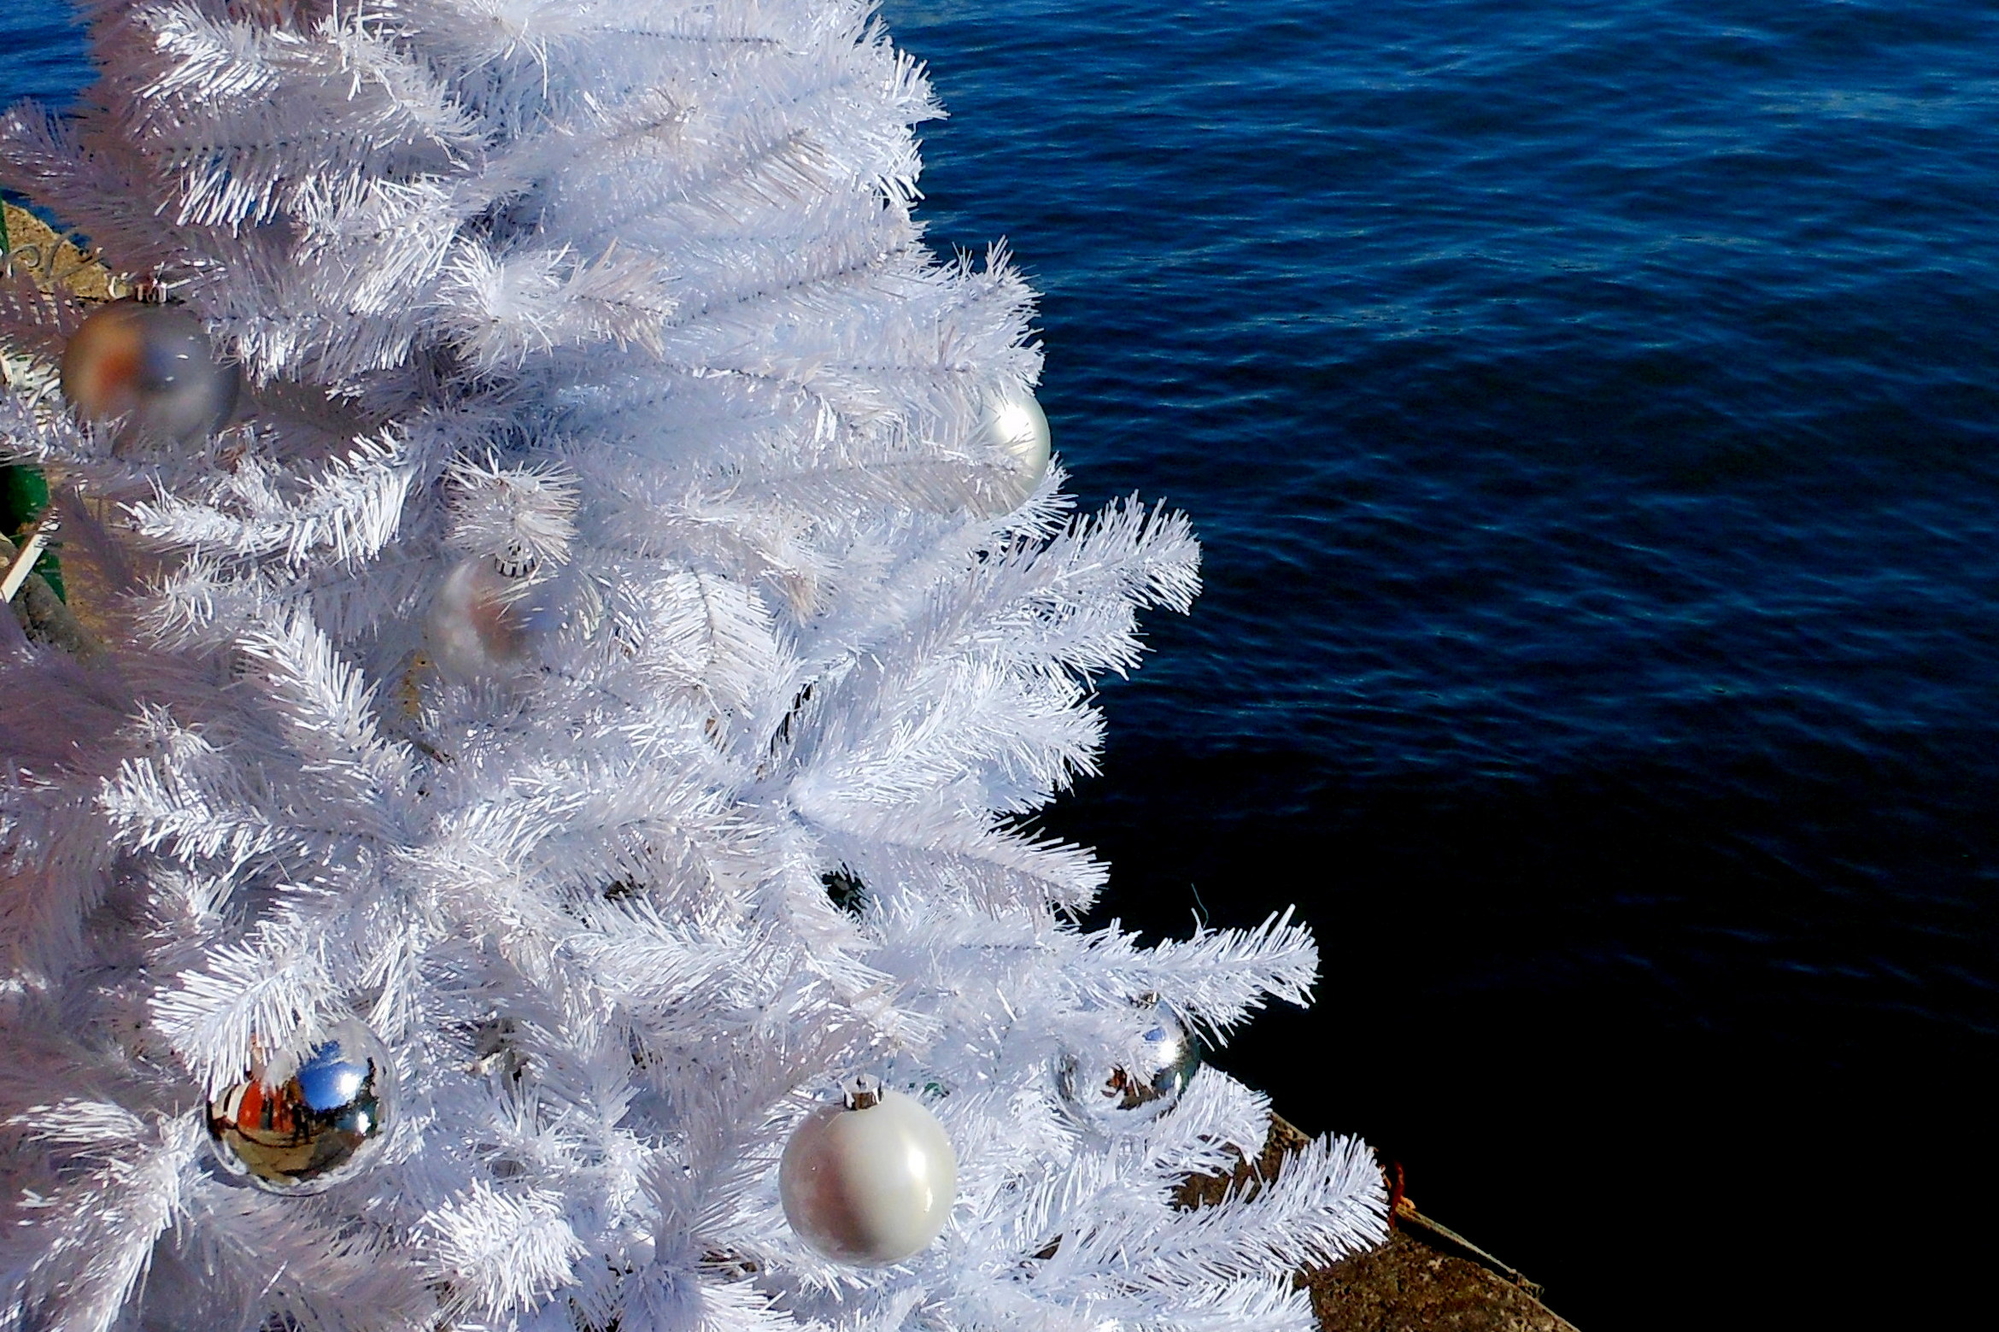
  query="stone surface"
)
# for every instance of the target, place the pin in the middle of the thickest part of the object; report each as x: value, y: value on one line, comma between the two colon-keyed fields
x: 34, y: 248
x: 1426, y: 1278
x: 1407, y: 1285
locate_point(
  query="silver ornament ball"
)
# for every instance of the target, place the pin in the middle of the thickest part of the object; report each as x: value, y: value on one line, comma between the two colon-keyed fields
x: 1132, y: 1096
x: 1012, y: 422
x: 324, y: 1124
x: 868, y: 1180
x: 152, y: 369
x: 477, y: 624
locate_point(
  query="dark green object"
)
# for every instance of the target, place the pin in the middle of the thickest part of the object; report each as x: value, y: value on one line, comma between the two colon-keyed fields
x: 24, y: 491
x: 24, y: 494
x: 846, y: 889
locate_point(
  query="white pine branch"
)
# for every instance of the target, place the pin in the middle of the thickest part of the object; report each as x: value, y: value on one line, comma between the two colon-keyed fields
x: 498, y: 1252
x: 346, y: 513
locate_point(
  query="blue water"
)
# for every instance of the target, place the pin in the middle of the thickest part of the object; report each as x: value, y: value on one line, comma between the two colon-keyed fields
x: 41, y: 53
x: 1590, y: 414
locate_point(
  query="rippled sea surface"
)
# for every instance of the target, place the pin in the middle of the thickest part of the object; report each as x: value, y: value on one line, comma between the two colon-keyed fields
x: 1589, y: 412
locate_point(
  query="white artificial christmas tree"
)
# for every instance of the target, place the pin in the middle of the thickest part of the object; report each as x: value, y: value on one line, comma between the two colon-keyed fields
x: 606, y: 657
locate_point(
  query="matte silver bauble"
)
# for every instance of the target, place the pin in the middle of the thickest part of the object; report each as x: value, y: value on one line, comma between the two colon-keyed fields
x: 1013, y: 423
x: 322, y: 1125
x: 868, y: 1180
x: 152, y: 369
x: 1129, y: 1096
x: 477, y: 625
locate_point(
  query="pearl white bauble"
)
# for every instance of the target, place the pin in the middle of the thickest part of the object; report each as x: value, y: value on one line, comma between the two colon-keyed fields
x: 150, y: 367
x: 1012, y: 422
x: 869, y: 1185
x: 476, y: 625
x: 324, y: 1124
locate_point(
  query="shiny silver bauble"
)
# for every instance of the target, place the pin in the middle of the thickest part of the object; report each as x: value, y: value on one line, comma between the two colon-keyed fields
x: 1012, y: 422
x: 870, y: 1179
x: 324, y: 1124
x: 477, y: 624
x: 1136, y: 1095
x: 152, y: 370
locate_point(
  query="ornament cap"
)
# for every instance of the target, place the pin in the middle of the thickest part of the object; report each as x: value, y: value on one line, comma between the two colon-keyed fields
x: 863, y: 1091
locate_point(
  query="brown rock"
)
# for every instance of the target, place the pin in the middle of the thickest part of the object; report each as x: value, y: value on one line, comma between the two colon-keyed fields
x: 1406, y: 1285
x: 52, y: 260
x: 1426, y: 1278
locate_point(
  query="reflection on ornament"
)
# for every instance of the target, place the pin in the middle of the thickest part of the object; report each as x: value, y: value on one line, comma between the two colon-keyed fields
x: 151, y: 368
x: 477, y: 625
x: 868, y: 1180
x: 1131, y: 1096
x: 323, y: 1125
x: 1013, y: 423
